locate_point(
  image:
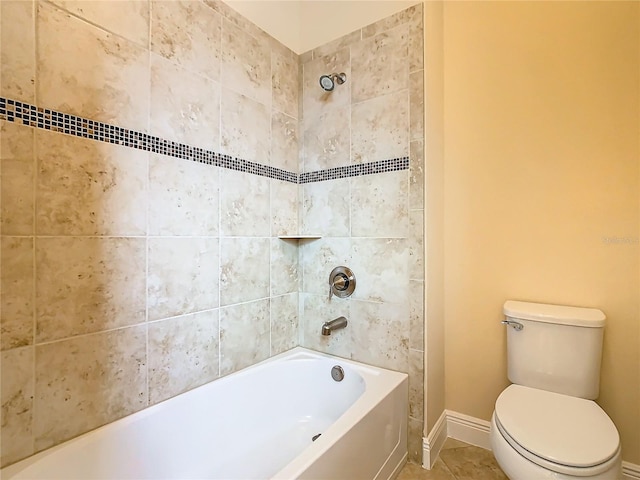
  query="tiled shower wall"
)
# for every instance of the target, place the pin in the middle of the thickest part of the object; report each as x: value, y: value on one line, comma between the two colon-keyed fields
x: 372, y: 223
x: 129, y: 276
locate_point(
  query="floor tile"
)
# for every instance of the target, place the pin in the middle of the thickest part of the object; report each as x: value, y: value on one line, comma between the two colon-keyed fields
x: 472, y: 463
x: 411, y: 471
x: 453, y: 443
x: 457, y: 461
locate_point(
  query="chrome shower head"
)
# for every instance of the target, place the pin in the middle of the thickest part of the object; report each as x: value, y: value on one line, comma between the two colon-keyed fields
x: 328, y: 82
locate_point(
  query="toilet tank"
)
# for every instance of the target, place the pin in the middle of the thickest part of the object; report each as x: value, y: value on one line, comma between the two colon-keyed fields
x: 559, y: 348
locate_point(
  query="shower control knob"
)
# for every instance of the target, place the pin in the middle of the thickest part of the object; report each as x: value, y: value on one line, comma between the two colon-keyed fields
x: 342, y: 282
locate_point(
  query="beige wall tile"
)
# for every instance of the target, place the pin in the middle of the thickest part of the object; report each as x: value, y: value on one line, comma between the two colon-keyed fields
x: 17, y: 140
x: 86, y: 187
x: 325, y: 208
x: 333, y: 46
x: 183, y: 276
x: 16, y: 292
x: 411, y: 17
x: 188, y: 34
x: 17, y: 36
x: 317, y: 309
x: 416, y: 105
x: 183, y: 197
x: 245, y: 127
x: 16, y: 182
x: 416, y: 314
x: 316, y: 101
x: 183, y: 354
x: 379, y: 65
x: 327, y: 141
x: 413, y: 13
x: 246, y: 64
x: 89, y: 72
x: 17, y: 197
x: 284, y: 142
x: 284, y: 323
x: 381, y: 268
x: 380, y: 334
x: 88, y: 381
x: 285, y: 275
x: 86, y: 285
x: 306, y: 57
x: 16, y: 395
x: 185, y: 107
x: 416, y: 40
x: 284, y: 208
x: 284, y: 84
x: 415, y: 442
x: 244, y: 269
x: 244, y: 335
x: 248, y: 27
x: 129, y: 19
x: 416, y: 384
x: 244, y: 204
x: 416, y: 174
x: 321, y: 256
x: 379, y: 205
x: 380, y: 128
x: 416, y: 244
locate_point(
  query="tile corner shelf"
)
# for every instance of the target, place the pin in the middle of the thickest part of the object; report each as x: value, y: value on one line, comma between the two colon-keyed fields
x: 299, y: 237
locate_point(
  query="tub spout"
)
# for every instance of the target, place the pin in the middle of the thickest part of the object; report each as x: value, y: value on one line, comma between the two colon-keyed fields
x: 336, y: 324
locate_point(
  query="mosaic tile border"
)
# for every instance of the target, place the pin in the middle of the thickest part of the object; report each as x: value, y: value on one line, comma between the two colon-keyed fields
x: 47, y: 119
x: 357, y: 170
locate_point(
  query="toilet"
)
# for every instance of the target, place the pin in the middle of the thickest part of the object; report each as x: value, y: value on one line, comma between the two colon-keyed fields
x: 546, y: 425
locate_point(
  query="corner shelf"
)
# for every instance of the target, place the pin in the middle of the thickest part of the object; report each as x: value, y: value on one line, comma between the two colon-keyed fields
x: 299, y: 237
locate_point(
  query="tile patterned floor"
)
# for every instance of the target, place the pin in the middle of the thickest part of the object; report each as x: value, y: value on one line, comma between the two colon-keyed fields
x: 458, y: 461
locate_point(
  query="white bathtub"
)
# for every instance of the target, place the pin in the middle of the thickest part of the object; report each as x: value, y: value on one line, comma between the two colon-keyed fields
x: 254, y: 424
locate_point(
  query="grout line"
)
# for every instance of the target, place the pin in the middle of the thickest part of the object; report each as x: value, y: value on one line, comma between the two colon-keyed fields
x: 382, y: 95
x: 219, y: 189
x: 142, y: 323
x: 148, y: 186
x: 271, y: 223
x: 81, y: 335
x: 34, y: 312
x: 91, y: 23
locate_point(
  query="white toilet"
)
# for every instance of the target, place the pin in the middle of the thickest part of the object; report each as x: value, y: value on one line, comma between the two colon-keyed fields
x: 546, y: 425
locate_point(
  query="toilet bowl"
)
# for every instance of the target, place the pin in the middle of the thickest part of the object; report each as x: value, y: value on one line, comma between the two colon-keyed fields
x: 536, y: 434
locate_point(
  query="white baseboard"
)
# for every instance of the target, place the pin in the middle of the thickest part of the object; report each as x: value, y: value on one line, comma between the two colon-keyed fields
x: 468, y: 429
x: 476, y: 432
x: 630, y: 471
x: 432, y: 444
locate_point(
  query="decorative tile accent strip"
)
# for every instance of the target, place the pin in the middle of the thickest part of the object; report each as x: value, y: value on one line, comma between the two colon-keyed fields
x: 44, y: 118
x: 357, y: 170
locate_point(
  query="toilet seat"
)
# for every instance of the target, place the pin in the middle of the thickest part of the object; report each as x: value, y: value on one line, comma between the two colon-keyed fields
x: 557, y: 432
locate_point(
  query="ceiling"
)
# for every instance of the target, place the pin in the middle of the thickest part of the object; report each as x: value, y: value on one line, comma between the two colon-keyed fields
x: 305, y: 24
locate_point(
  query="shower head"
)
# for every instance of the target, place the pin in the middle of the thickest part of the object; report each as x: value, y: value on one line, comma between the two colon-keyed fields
x: 328, y: 82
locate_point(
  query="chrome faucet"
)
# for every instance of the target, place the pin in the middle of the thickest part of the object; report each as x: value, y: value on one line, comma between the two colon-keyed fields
x: 336, y: 324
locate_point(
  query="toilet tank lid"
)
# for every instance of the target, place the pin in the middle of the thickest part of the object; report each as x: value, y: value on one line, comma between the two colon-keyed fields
x: 559, y: 314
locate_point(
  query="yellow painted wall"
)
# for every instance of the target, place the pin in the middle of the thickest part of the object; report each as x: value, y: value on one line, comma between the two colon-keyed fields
x: 541, y: 177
